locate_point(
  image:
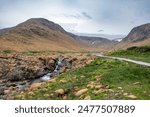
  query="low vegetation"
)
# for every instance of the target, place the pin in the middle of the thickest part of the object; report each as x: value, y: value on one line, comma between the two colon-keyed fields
x: 101, y: 79
x: 7, y: 51
x: 136, y: 53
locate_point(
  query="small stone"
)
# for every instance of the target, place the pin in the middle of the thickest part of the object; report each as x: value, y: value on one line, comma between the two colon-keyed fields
x: 132, y: 96
x: 65, y: 97
x: 31, y: 93
x: 52, y: 80
x: 60, y: 91
x: 90, y: 86
x: 46, y: 95
x: 111, y: 90
x: 99, y: 91
x: 87, y: 98
x: 125, y: 94
x: 120, y: 88
x: 34, y: 86
x: 51, y: 95
x: 63, y: 81
x: 1, y: 91
x: 81, y: 92
x: 136, y: 83
x: 116, y: 94
x: 107, y: 87
x: 98, y: 86
x: 6, y: 91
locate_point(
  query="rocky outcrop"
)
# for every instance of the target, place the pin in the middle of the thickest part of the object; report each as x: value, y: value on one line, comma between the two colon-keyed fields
x: 19, y: 72
x: 139, y: 33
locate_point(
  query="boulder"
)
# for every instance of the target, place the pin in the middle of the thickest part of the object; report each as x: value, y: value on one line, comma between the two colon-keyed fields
x: 1, y: 91
x: 34, y: 86
x: 131, y: 96
x: 60, y: 91
x: 81, y: 92
x: 87, y: 98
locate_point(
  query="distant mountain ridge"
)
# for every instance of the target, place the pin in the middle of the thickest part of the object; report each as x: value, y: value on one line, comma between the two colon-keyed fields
x: 138, y: 36
x: 139, y: 33
x: 37, y: 34
x: 42, y: 34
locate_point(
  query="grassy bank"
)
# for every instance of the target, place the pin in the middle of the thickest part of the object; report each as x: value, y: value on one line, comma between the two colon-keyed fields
x: 136, y: 53
x: 103, y: 78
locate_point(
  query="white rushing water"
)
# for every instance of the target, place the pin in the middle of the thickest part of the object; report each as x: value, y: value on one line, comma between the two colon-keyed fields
x: 56, y: 71
x: 46, y: 77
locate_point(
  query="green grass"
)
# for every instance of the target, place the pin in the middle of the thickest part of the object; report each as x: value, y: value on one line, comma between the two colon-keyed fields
x: 108, y: 72
x: 32, y: 52
x: 7, y: 51
x: 136, y: 53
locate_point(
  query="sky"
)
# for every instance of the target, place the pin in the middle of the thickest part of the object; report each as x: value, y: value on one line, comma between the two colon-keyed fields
x: 114, y: 17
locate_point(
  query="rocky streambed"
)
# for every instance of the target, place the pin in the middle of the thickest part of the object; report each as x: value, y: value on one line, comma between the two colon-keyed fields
x: 19, y: 72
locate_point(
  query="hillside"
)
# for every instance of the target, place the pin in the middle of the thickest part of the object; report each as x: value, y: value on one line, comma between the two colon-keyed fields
x: 138, y: 36
x: 139, y: 33
x: 95, y: 43
x: 40, y: 34
x: 37, y: 34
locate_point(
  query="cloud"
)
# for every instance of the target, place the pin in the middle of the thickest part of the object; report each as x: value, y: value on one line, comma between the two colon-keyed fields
x: 86, y: 15
x: 100, y: 30
x: 113, y: 16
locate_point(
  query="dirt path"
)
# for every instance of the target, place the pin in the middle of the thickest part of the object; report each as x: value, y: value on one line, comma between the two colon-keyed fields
x: 122, y: 59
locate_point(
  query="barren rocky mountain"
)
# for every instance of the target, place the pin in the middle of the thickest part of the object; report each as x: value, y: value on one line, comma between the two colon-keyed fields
x: 138, y: 36
x: 37, y: 34
x: 40, y: 34
x: 139, y: 33
x: 97, y: 42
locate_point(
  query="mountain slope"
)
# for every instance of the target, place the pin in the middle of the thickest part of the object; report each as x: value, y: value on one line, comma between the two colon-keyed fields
x: 40, y: 34
x: 139, y: 33
x: 138, y: 36
x: 37, y: 34
x: 95, y: 43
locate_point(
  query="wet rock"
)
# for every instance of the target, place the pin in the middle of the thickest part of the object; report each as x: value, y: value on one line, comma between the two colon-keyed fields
x: 60, y: 91
x: 81, y: 92
x: 49, y: 63
x: 1, y: 91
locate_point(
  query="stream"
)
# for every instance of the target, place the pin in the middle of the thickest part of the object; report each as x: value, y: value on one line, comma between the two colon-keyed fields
x: 60, y: 64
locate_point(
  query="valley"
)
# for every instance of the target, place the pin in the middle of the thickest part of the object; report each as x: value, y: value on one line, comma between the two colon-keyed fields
x: 40, y: 60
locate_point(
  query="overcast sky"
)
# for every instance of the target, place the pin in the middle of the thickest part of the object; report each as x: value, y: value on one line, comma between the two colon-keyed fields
x: 84, y: 16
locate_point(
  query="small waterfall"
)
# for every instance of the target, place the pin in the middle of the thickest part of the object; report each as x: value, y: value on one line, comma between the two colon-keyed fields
x: 49, y: 75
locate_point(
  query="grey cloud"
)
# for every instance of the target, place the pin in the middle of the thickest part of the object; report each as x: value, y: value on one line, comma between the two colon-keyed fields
x: 100, y: 30
x: 86, y: 15
x: 77, y: 16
